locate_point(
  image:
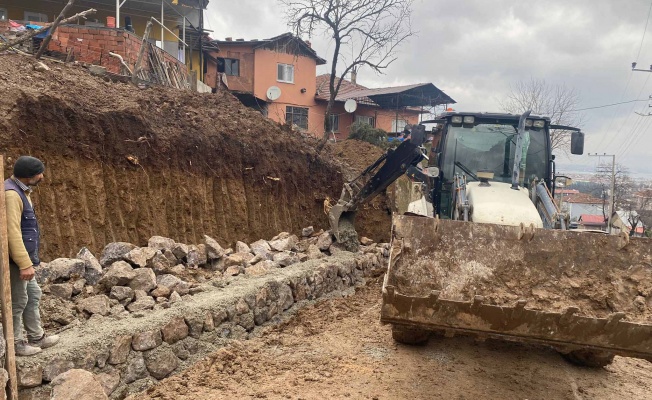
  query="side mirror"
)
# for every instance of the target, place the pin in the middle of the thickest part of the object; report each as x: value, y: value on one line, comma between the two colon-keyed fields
x: 577, y: 143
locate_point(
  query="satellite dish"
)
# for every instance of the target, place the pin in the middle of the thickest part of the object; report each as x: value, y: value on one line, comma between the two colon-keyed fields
x: 350, y: 106
x: 273, y: 93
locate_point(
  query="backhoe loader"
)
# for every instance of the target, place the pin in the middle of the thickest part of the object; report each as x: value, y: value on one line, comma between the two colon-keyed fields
x: 485, y: 251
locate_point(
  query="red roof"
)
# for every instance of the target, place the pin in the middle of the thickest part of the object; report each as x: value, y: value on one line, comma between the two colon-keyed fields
x: 592, y: 219
x: 582, y: 198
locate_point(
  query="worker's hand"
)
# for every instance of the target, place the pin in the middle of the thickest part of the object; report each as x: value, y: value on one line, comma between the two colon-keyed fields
x: 27, y: 274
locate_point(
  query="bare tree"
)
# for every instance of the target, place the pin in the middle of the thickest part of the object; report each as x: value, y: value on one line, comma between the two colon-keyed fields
x: 623, y: 187
x: 555, y: 101
x: 369, y: 30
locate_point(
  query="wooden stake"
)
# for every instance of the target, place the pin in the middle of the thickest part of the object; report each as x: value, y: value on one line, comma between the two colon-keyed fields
x: 5, y: 294
x: 53, y: 27
x: 33, y: 33
x: 134, y: 76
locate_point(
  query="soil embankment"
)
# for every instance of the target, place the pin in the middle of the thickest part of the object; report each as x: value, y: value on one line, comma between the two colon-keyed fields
x: 125, y: 164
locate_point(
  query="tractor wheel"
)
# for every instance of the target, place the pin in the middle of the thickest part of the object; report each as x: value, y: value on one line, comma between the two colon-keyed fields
x: 409, y: 335
x: 589, y: 358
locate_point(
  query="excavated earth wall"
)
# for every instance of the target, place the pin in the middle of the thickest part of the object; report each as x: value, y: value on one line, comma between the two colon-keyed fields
x: 124, y: 164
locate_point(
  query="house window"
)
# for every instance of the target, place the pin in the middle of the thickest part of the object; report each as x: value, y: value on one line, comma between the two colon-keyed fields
x: 3, y: 14
x: 35, y: 17
x: 297, y: 116
x: 285, y: 73
x: 335, y: 123
x: 371, y: 121
x: 398, y: 125
x: 230, y: 66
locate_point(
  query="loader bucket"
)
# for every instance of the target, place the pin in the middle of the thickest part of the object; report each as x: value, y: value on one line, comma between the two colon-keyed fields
x: 577, y: 292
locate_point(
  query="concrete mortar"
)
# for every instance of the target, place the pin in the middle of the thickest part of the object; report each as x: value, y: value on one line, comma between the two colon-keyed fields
x: 81, y: 342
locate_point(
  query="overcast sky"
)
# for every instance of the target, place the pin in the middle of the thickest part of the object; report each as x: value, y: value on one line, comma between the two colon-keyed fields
x: 474, y: 49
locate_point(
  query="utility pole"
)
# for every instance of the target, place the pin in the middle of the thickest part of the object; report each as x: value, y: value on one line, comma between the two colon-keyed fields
x: 613, y: 184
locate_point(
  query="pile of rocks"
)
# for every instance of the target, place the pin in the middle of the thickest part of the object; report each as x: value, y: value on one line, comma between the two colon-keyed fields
x: 242, y: 289
x: 130, y: 279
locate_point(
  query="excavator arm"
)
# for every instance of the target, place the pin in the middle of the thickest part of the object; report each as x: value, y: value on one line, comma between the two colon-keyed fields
x: 373, y: 180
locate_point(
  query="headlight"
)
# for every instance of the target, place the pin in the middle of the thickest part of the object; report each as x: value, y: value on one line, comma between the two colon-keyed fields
x: 539, y: 123
x: 457, y: 119
x: 528, y: 123
x: 469, y: 119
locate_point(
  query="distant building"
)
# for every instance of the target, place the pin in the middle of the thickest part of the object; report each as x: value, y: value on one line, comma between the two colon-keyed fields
x: 588, y: 221
x: 621, y: 221
x: 582, y: 203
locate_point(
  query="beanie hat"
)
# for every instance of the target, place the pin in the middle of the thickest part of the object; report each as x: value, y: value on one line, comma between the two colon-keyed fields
x: 27, y: 167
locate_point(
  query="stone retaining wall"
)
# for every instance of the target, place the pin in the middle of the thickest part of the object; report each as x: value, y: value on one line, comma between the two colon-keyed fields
x: 131, y: 353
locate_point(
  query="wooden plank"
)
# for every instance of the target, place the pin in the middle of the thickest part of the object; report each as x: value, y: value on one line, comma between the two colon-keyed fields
x: 5, y: 295
x: 134, y: 76
x: 53, y: 28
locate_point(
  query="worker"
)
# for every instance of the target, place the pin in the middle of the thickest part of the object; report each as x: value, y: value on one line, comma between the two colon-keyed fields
x: 23, y: 240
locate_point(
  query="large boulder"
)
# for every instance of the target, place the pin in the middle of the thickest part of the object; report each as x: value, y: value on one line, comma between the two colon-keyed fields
x: 285, y: 244
x: 95, y: 305
x: 121, y: 293
x: 286, y: 258
x: 324, y: 241
x: 120, y: 273
x: 196, y: 255
x: 142, y: 303
x: 314, y: 253
x: 261, y: 248
x: 144, y: 279
x: 115, y: 252
x: 261, y: 268
x: 238, y: 259
x: 61, y: 290
x: 161, y: 362
x: 140, y: 256
x: 160, y: 263
x: 180, y: 250
x: 160, y: 243
x: 175, y: 330
x: 93, y: 269
x: 60, y: 270
x: 146, y: 340
x: 213, y: 249
x: 241, y: 247
x: 173, y: 283
x: 77, y: 384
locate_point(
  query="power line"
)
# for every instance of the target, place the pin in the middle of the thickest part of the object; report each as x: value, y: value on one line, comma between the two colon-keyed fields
x: 613, y: 114
x: 607, y: 105
x: 644, y: 31
x: 613, y: 137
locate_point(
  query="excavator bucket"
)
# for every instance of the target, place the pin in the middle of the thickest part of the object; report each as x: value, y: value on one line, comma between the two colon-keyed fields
x: 581, y: 293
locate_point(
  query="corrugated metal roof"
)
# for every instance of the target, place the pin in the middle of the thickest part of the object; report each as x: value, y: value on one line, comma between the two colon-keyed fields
x: 415, y: 95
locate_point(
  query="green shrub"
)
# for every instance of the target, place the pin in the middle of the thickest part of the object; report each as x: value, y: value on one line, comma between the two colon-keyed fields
x: 367, y: 133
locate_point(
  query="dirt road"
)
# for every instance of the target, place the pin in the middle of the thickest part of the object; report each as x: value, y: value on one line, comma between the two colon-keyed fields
x: 337, y: 349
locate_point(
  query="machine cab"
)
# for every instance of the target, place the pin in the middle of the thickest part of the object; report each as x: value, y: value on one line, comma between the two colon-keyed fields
x: 484, y: 144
